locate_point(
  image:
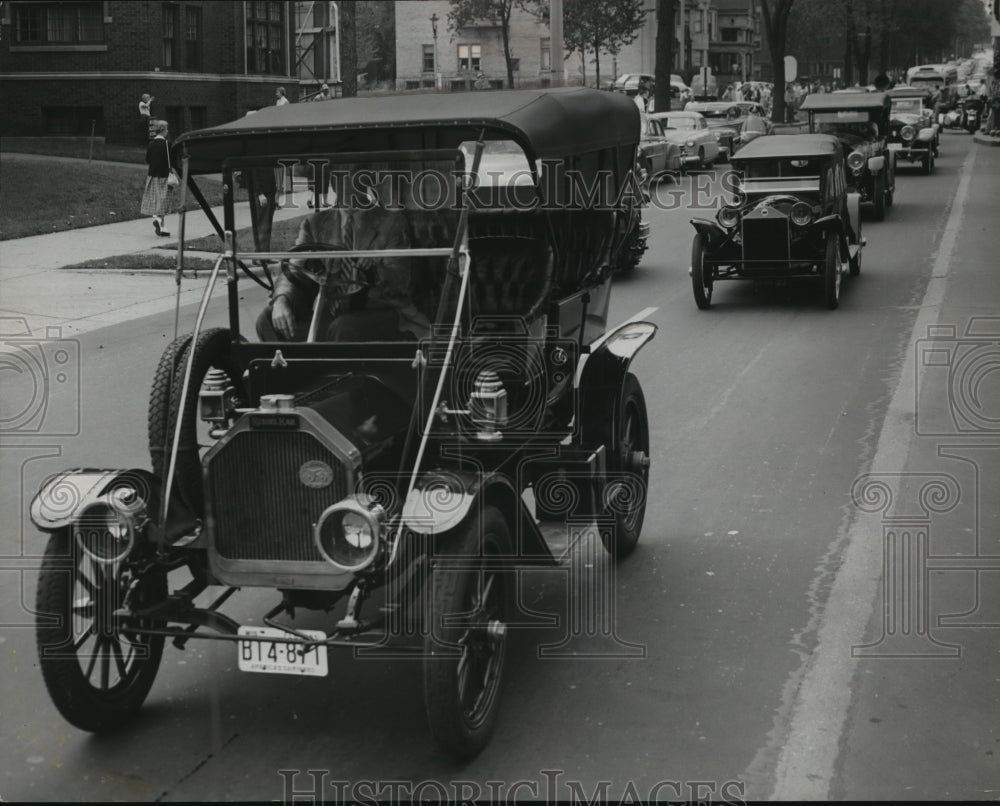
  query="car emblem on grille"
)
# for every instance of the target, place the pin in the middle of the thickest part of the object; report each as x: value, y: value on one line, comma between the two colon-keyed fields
x: 316, y: 474
x: 764, y: 212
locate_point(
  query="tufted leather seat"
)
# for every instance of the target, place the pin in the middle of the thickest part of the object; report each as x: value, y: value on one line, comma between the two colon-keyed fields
x: 509, y: 276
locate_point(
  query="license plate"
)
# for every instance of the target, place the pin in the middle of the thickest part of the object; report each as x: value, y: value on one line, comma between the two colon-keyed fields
x: 278, y: 655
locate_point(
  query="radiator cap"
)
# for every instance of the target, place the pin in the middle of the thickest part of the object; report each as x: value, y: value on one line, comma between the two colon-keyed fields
x: 277, y: 402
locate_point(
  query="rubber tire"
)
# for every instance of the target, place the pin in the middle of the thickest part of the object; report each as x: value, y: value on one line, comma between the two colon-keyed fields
x: 702, y: 165
x: 831, y: 272
x: 625, y: 527
x: 81, y: 704
x: 928, y: 163
x: 854, y: 263
x: 158, y: 411
x: 879, y: 197
x: 211, y: 350
x: 451, y: 577
x: 702, y: 291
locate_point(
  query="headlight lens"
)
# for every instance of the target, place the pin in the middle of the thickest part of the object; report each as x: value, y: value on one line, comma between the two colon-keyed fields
x: 801, y: 214
x: 349, y: 533
x: 105, y: 533
x: 690, y: 144
x: 855, y: 161
x: 907, y: 133
x: 728, y: 217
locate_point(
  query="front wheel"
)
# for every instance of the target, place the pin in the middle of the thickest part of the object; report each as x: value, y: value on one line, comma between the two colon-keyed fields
x: 97, y: 675
x: 831, y: 272
x: 701, y: 275
x: 928, y: 163
x: 466, y: 642
x: 628, y: 471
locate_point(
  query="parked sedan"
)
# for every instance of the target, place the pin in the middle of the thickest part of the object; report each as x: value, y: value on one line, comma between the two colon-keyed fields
x: 724, y: 119
x: 693, y: 143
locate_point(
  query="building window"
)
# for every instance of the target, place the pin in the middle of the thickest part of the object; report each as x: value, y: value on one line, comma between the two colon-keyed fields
x: 73, y: 121
x: 199, y: 114
x: 428, y: 60
x: 515, y: 65
x: 265, y: 37
x: 730, y: 34
x: 58, y: 23
x: 169, y: 57
x: 469, y: 57
x: 546, y: 58
x: 192, y: 38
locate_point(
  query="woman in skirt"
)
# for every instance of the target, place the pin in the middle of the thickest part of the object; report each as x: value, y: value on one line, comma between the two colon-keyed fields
x: 158, y: 197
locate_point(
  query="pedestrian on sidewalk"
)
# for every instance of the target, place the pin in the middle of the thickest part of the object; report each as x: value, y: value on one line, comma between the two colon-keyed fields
x: 279, y: 94
x: 158, y: 197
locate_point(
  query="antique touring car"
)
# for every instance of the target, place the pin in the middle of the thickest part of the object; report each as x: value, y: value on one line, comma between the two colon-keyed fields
x: 453, y: 355
x: 860, y: 121
x: 793, y: 217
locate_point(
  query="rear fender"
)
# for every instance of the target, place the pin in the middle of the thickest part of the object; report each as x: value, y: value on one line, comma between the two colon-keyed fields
x: 834, y: 224
x: 442, y: 501
x: 854, y: 212
x: 603, y: 375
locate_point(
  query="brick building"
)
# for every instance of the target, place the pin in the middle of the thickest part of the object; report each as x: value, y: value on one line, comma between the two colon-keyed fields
x: 67, y: 67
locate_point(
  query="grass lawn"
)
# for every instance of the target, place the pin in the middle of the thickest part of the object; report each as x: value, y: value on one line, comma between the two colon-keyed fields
x: 143, y: 262
x: 41, y: 197
x: 283, y: 232
x: 78, y: 147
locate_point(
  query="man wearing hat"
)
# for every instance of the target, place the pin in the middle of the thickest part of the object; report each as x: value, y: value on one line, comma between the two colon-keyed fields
x: 323, y: 94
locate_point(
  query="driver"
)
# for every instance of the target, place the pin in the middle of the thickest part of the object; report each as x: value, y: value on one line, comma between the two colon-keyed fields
x: 384, y: 312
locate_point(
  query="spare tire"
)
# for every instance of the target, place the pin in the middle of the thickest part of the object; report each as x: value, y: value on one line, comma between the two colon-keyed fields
x: 211, y: 351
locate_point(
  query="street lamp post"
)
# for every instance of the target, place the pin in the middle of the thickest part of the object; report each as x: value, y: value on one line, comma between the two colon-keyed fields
x: 434, y: 31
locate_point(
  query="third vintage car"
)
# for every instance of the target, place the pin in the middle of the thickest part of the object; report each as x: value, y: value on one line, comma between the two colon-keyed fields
x: 792, y: 217
x: 860, y: 121
x: 913, y: 132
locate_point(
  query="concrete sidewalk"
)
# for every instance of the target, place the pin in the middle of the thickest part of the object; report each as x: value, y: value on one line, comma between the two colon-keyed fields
x: 36, y: 295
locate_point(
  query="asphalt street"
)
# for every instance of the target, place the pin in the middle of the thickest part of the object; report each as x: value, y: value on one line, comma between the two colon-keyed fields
x: 770, y: 637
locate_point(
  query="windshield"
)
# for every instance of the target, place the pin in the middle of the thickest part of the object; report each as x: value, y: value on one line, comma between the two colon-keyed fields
x: 843, y: 123
x: 907, y: 106
x: 712, y: 113
x: 367, y: 206
x: 678, y: 123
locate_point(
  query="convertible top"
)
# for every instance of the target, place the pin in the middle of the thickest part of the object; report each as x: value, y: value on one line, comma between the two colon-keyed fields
x: 816, y: 102
x: 545, y: 123
x: 789, y: 146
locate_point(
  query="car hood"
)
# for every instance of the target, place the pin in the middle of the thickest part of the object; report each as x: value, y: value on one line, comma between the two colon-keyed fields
x: 906, y: 119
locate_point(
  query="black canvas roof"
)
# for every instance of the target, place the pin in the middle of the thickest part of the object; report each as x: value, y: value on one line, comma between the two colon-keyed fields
x: 545, y: 123
x: 816, y: 102
x: 782, y: 146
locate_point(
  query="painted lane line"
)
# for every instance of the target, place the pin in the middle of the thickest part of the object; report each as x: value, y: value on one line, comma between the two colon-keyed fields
x: 808, y: 757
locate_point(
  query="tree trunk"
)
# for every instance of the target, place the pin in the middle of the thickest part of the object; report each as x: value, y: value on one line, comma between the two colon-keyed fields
x: 850, y: 48
x: 348, y: 50
x: 883, y: 43
x: 597, y: 64
x: 664, y: 54
x: 505, y: 29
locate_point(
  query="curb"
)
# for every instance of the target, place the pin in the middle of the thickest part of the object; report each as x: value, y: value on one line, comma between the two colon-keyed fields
x: 985, y: 139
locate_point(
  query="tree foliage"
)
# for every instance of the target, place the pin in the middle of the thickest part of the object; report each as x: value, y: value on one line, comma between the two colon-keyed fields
x: 895, y: 34
x: 601, y: 25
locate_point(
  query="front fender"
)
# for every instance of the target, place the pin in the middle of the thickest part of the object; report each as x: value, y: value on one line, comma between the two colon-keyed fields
x: 925, y: 135
x: 710, y: 229
x: 876, y: 165
x: 443, y: 500
x: 64, y: 496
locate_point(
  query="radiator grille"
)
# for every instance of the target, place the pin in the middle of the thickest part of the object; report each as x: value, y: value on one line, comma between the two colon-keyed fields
x: 261, y: 508
x: 765, y: 239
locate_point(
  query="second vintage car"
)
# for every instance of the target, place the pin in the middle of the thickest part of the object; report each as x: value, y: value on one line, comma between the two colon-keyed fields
x: 724, y: 119
x: 860, y: 122
x: 793, y: 217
